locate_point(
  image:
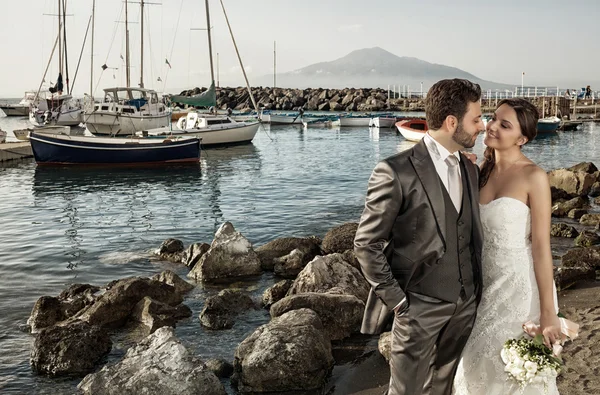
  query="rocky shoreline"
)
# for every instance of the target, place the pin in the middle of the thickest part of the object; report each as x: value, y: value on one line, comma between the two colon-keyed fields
x: 338, y: 100
x: 315, y: 302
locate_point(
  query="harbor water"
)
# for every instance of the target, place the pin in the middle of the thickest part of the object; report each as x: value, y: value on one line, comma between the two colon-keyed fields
x: 60, y: 226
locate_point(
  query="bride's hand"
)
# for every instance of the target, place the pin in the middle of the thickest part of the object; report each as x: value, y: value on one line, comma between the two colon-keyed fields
x: 550, y: 326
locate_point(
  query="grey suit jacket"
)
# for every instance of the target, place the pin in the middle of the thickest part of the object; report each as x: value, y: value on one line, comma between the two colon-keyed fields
x: 401, y: 234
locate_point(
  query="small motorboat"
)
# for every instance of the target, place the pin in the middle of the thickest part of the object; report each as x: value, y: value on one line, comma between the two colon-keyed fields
x: 548, y: 125
x: 412, y: 129
x: 62, y: 149
x: 383, y: 121
x: 321, y: 123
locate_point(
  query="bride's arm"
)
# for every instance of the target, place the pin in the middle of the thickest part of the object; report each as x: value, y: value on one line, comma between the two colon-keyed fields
x: 540, y: 201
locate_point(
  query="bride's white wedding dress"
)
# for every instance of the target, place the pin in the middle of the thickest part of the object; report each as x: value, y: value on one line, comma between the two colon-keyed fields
x: 510, y: 298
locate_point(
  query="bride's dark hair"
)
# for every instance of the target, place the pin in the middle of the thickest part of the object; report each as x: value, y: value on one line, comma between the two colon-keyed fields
x: 527, y: 116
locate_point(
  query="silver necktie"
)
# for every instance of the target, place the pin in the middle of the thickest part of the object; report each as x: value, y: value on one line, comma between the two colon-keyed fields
x: 454, y: 181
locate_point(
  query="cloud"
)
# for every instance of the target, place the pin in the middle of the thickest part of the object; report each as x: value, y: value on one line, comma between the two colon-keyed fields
x: 350, y: 28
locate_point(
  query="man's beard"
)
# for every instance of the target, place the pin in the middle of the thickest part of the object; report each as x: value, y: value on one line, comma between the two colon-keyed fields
x: 463, y: 138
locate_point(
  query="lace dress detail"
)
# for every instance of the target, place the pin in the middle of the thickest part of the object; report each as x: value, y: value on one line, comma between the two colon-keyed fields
x: 510, y: 298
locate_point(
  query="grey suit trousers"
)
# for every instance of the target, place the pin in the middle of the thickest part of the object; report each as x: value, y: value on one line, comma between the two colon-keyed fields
x: 427, y: 342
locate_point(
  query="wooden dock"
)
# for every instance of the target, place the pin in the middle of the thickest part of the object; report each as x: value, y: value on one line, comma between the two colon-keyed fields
x: 14, y: 151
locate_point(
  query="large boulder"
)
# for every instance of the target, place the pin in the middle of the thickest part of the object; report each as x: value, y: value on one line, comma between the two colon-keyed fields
x: 283, y: 246
x: 331, y: 271
x: 384, y: 345
x: 159, y: 364
x: 230, y: 256
x: 341, y: 315
x: 171, y: 250
x: 70, y: 350
x: 152, y: 315
x: 340, y: 238
x: 563, y: 230
x: 168, y: 277
x: 288, y: 266
x: 276, y: 292
x: 582, y: 257
x: 49, y: 310
x: 194, y: 253
x: 566, y: 277
x: 290, y: 353
x: 563, y: 208
x: 577, y: 213
x: 574, y: 181
x: 114, y: 306
x: 220, y: 310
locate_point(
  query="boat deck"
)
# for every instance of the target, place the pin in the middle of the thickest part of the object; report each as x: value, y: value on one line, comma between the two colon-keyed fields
x: 17, y: 150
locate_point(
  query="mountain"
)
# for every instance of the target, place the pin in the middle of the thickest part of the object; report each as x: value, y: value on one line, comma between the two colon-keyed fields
x: 372, y: 68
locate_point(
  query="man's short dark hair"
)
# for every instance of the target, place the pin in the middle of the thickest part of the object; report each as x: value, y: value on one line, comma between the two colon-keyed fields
x: 449, y: 97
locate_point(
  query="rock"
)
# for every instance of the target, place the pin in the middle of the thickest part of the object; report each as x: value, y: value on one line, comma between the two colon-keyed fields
x: 230, y: 256
x: 590, y: 219
x: 561, y: 209
x: 335, y: 106
x: 587, y: 239
x: 563, y: 230
x: 340, y: 238
x: 327, y: 272
x: 577, y: 213
x: 290, y: 353
x: 585, y: 167
x: 220, y: 367
x: 349, y: 256
x: 341, y: 315
x: 276, y: 292
x: 323, y: 106
x: 49, y: 310
x: 283, y: 246
x: 168, y: 277
x: 288, y: 266
x: 582, y: 257
x: 573, y: 183
x: 153, y: 315
x: 385, y: 345
x: 566, y: 277
x: 71, y: 350
x: 194, y: 252
x: 114, y: 306
x: 220, y: 310
x: 171, y: 250
x: 595, y: 190
x: 159, y: 364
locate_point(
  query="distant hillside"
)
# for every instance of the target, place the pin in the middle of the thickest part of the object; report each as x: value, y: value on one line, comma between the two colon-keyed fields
x: 372, y: 68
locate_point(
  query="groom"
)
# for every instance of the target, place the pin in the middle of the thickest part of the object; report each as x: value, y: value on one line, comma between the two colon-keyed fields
x: 419, y: 244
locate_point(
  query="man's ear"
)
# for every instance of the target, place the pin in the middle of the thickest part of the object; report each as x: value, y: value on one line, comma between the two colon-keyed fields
x: 451, y: 123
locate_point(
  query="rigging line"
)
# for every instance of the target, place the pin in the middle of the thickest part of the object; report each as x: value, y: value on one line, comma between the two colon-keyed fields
x: 114, y: 34
x: 150, y: 47
x: 81, y: 54
x: 172, y: 46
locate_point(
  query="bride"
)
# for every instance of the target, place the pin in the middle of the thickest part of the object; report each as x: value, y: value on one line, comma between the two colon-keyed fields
x: 518, y: 283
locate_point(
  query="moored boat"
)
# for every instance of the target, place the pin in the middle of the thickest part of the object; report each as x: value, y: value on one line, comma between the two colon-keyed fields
x: 548, y: 125
x: 321, y: 123
x: 355, y: 120
x: 412, y: 129
x: 20, y: 109
x: 383, y: 121
x: 60, y: 149
x: 214, y: 130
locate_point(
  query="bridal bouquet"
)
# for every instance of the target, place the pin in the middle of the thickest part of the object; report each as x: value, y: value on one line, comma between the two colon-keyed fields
x: 527, y: 360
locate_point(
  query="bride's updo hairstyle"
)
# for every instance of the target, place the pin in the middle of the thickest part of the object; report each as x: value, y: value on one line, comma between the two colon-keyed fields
x: 527, y: 116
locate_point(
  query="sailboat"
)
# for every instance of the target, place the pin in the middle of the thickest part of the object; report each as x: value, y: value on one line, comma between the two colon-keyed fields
x: 57, y: 107
x: 127, y: 110
x: 214, y: 129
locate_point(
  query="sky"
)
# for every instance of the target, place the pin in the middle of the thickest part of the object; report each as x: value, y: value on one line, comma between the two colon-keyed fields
x: 554, y: 42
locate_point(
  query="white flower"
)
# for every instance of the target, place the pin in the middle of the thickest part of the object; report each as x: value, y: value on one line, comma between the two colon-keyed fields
x: 517, y: 371
x: 504, y: 355
x: 518, y: 362
x: 531, y: 367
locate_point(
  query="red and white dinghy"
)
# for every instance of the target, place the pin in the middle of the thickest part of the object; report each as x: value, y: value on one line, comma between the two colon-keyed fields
x: 412, y: 129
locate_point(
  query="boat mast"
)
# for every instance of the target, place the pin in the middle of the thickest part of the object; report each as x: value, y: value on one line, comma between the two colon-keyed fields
x: 59, y: 40
x: 126, y: 46
x: 142, y: 45
x: 66, y: 61
x: 274, y: 64
x: 92, y: 53
x: 212, y: 71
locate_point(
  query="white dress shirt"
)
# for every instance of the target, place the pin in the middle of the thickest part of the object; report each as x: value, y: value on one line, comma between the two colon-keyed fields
x: 439, y: 154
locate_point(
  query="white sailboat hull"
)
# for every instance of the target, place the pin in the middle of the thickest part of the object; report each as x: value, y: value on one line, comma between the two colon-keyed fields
x: 355, y: 121
x: 67, y: 118
x: 226, y: 134
x: 285, y: 119
x: 111, y: 124
x: 15, y: 110
x: 382, y: 122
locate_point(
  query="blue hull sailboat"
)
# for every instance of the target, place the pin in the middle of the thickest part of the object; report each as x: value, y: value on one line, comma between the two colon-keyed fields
x: 60, y: 149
